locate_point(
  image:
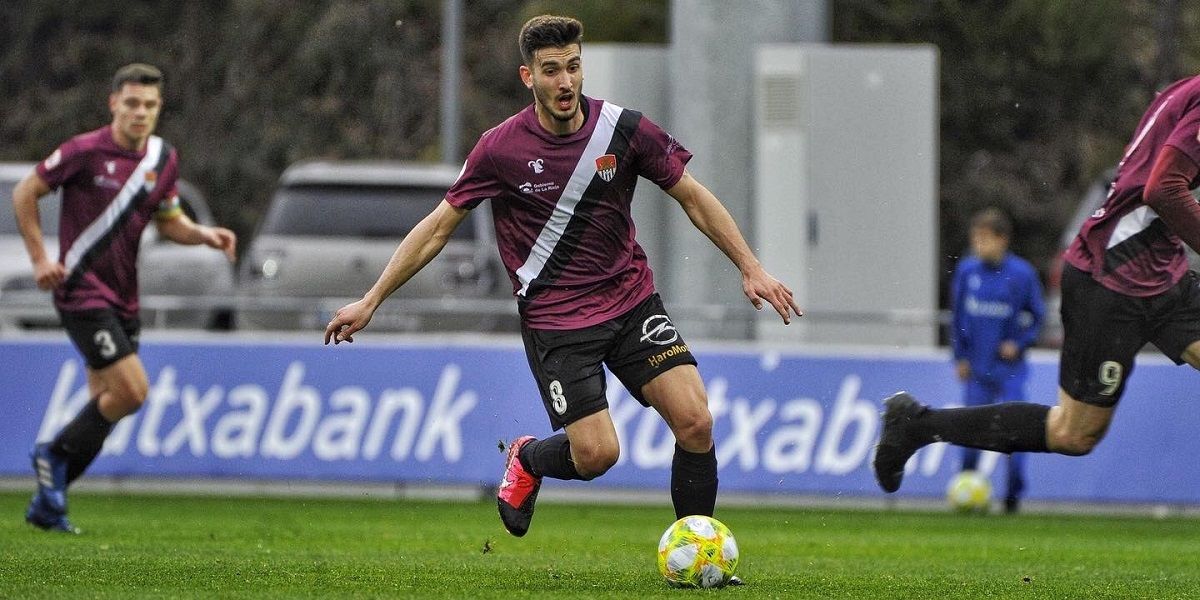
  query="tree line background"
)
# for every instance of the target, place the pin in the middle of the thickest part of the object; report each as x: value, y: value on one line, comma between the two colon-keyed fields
x: 1038, y: 97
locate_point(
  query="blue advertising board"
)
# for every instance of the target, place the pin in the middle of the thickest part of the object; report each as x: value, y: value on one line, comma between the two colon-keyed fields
x: 802, y: 422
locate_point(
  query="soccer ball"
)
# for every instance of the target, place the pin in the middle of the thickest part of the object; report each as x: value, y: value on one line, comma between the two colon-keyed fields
x: 697, y: 552
x: 969, y: 491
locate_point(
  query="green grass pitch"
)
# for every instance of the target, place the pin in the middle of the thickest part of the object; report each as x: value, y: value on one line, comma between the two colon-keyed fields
x: 152, y: 546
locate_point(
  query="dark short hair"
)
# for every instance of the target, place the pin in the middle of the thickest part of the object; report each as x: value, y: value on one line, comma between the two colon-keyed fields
x: 546, y: 31
x: 139, y: 73
x: 994, y: 220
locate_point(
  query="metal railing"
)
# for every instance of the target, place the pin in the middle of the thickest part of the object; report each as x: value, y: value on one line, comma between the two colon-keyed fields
x: 33, y: 309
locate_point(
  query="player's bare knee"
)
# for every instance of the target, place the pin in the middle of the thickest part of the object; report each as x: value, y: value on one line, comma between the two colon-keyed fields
x: 592, y: 462
x: 694, y: 432
x: 1074, y: 444
x: 130, y: 393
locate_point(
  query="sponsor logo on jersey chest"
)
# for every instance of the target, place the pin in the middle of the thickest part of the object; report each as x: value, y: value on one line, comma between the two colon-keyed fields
x: 537, y: 188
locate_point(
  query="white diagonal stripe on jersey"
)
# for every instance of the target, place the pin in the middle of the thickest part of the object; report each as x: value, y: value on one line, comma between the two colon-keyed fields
x: 108, y: 219
x: 581, y: 177
x: 1130, y: 225
x: 1145, y: 130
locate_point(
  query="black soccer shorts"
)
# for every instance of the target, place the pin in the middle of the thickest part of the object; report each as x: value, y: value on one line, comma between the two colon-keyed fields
x: 101, y: 335
x: 567, y: 364
x: 1103, y: 331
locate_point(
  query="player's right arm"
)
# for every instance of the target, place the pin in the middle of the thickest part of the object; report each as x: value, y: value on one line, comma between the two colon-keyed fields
x: 415, y: 251
x: 1167, y: 192
x: 48, y: 273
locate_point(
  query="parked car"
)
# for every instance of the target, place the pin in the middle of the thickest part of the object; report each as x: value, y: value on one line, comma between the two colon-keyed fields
x: 180, y: 286
x: 1092, y: 200
x: 332, y: 227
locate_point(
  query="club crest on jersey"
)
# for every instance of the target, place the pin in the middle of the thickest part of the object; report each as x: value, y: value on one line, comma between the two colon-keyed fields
x: 606, y: 166
x: 151, y: 180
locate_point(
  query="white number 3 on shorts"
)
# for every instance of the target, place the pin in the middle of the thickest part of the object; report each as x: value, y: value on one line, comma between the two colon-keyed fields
x: 104, y: 341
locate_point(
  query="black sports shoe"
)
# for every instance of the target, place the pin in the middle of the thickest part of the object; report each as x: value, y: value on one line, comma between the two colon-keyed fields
x: 896, y: 442
x: 735, y: 580
x: 1012, y: 504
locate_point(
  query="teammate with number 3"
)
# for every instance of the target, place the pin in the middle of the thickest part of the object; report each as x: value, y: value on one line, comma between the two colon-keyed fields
x: 1126, y: 284
x: 115, y: 181
x: 560, y: 176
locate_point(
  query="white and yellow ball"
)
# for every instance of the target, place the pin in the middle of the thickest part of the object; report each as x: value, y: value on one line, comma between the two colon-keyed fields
x: 970, y: 492
x: 697, y: 552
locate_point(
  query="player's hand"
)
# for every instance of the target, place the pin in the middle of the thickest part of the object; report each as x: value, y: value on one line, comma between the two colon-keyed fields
x: 1009, y: 350
x: 49, y: 274
x: 222, y: 239
x: 963, y: 368
x: 348, y: 320
x: 758, y: 285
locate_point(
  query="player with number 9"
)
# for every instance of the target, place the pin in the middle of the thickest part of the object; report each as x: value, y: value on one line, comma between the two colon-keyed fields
x: 1126, y: 283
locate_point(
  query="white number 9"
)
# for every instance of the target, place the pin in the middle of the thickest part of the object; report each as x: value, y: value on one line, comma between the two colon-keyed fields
x: 1110, y: 377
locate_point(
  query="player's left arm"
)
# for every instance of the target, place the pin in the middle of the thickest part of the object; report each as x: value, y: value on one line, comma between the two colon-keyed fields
x: 713, y: 220
x: 179, y: 228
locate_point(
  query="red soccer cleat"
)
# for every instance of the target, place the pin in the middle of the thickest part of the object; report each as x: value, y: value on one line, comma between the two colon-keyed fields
x: 518, y: 491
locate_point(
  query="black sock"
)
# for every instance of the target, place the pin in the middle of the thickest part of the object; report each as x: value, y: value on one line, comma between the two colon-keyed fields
x: 550, y: 457
x: 1005, y: 427
x: 694, y: 482
x: 81, y: 440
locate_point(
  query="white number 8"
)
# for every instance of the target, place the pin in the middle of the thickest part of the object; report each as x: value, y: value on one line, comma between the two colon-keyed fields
x: 557, y: 400
x: 1110, y: 377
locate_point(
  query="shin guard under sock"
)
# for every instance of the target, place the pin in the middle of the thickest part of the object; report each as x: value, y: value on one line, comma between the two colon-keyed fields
x: 550, y: 457
x: 694, y: 482
x: 81, y: 440
x: 1004, y: 427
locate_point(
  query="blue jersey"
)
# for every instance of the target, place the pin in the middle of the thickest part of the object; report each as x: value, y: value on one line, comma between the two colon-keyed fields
x: 993, y: 303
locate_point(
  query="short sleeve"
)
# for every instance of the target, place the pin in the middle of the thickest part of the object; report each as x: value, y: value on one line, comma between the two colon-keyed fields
x: 61, y: 165
x: 660, y: 157
x: 1186, y: 135
x: 478, y: 180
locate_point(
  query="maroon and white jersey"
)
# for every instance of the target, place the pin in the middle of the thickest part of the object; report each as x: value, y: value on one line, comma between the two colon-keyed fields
x: 1125, y: 245
x: 109, y: 194
x: 561, y: 207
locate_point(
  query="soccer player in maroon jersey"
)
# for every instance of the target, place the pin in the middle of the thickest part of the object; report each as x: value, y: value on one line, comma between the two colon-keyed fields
x: 560, y: 175
x: 1125, y: 284
x: 114, y: 180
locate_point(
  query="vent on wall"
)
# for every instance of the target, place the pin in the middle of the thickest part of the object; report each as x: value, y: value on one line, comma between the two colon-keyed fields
x: 780, y: 101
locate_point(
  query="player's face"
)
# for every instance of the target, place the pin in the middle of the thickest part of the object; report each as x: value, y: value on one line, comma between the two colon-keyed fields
x: 135, y: 113
x: 988, y: 245
x: 556, y: 79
